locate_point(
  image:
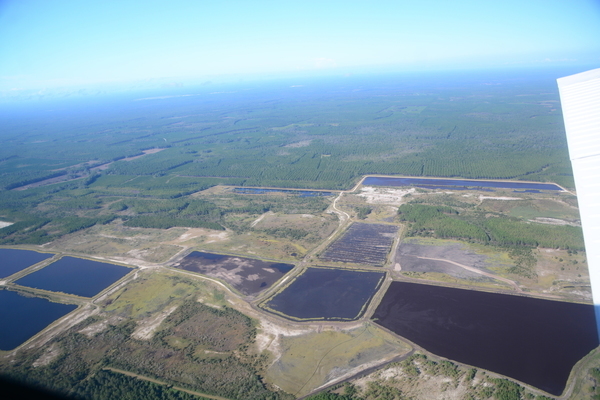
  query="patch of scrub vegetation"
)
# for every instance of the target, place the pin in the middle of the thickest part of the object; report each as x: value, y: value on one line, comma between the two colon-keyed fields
x: 586, y: 379
x: 520, y: 242
x: 551, y: 208
x: 306, y: 230
x: 106, y: 384
x: 152, y: 292
x: 312, y: 360
x: 421, y: 377
x: 524, y: 260
x: 562, y: 273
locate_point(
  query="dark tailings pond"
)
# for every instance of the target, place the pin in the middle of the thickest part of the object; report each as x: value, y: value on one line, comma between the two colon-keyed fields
x: 300, y: 193
x: 456, y: 184
x: 22, y: 317
x: 327, y: 294
x: 75, y: 276
x: 248, y: 275
x: 13, y: 260
x: 532, y: 340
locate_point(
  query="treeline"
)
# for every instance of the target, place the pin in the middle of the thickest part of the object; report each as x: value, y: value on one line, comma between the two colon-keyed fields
x: 39, y: 176
x: 73, y: 224
x: 43, y: 230
x: 511, y: 231
x: 152, y: 186
x: 78, y: 203
x: 108, y: 385
x: 165, y: 214
x: 440, y: 221
x: 27, y: 232
x: 362, y: 212
x: 446, y: 222
x: 288, y: 233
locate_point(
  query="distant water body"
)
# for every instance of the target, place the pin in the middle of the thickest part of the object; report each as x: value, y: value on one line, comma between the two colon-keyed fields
x: 460, y: 184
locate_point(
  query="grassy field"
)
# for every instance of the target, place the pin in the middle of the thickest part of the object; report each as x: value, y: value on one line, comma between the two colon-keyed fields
x: 153, y: 292
x: 312, y: 360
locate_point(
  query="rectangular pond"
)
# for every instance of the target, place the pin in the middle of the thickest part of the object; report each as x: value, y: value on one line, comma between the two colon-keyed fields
x: 22, y: 317
x: 14, y: 260
x: 326, y: 294
x: 532, y: 340
x: 457, y: 184
x: 76, y: 276
x: 362, y: 244
x: 300, y: 193
x: 248, y: 275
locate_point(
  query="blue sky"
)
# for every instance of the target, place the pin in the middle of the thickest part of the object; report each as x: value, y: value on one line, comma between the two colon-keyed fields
x: 60, y: 43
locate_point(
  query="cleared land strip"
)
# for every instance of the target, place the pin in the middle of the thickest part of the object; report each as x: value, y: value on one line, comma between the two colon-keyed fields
x: 145, y: 378
x: 477, y: 271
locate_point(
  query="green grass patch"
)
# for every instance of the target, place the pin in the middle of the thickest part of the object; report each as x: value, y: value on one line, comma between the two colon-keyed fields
x: 310, y: 360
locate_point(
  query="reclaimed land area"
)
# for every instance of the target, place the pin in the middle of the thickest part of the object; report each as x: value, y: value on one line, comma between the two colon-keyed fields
x: 145, y: 316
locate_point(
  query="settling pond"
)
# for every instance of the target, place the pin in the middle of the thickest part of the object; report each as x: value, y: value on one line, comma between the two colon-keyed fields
x: 13, y: 260
x: 76, y: 276
x: 327, y: 294
x: 22, y: 317
x: 457, y: 184
x: 532, y: 340
x: 248, y: 275
x: 300, y: 193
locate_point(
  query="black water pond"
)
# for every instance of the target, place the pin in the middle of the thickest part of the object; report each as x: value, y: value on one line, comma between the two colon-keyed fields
x: 75, y: 276
x: 248, y: 275
x: 300, y: 193
x: 22, y: 317
x: 13, y: 260
x: 456, y: 184
x: 532, y: 340
x: 327, y: 294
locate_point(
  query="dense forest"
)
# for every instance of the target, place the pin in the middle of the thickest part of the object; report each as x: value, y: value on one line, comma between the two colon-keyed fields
x: 66, y: 166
